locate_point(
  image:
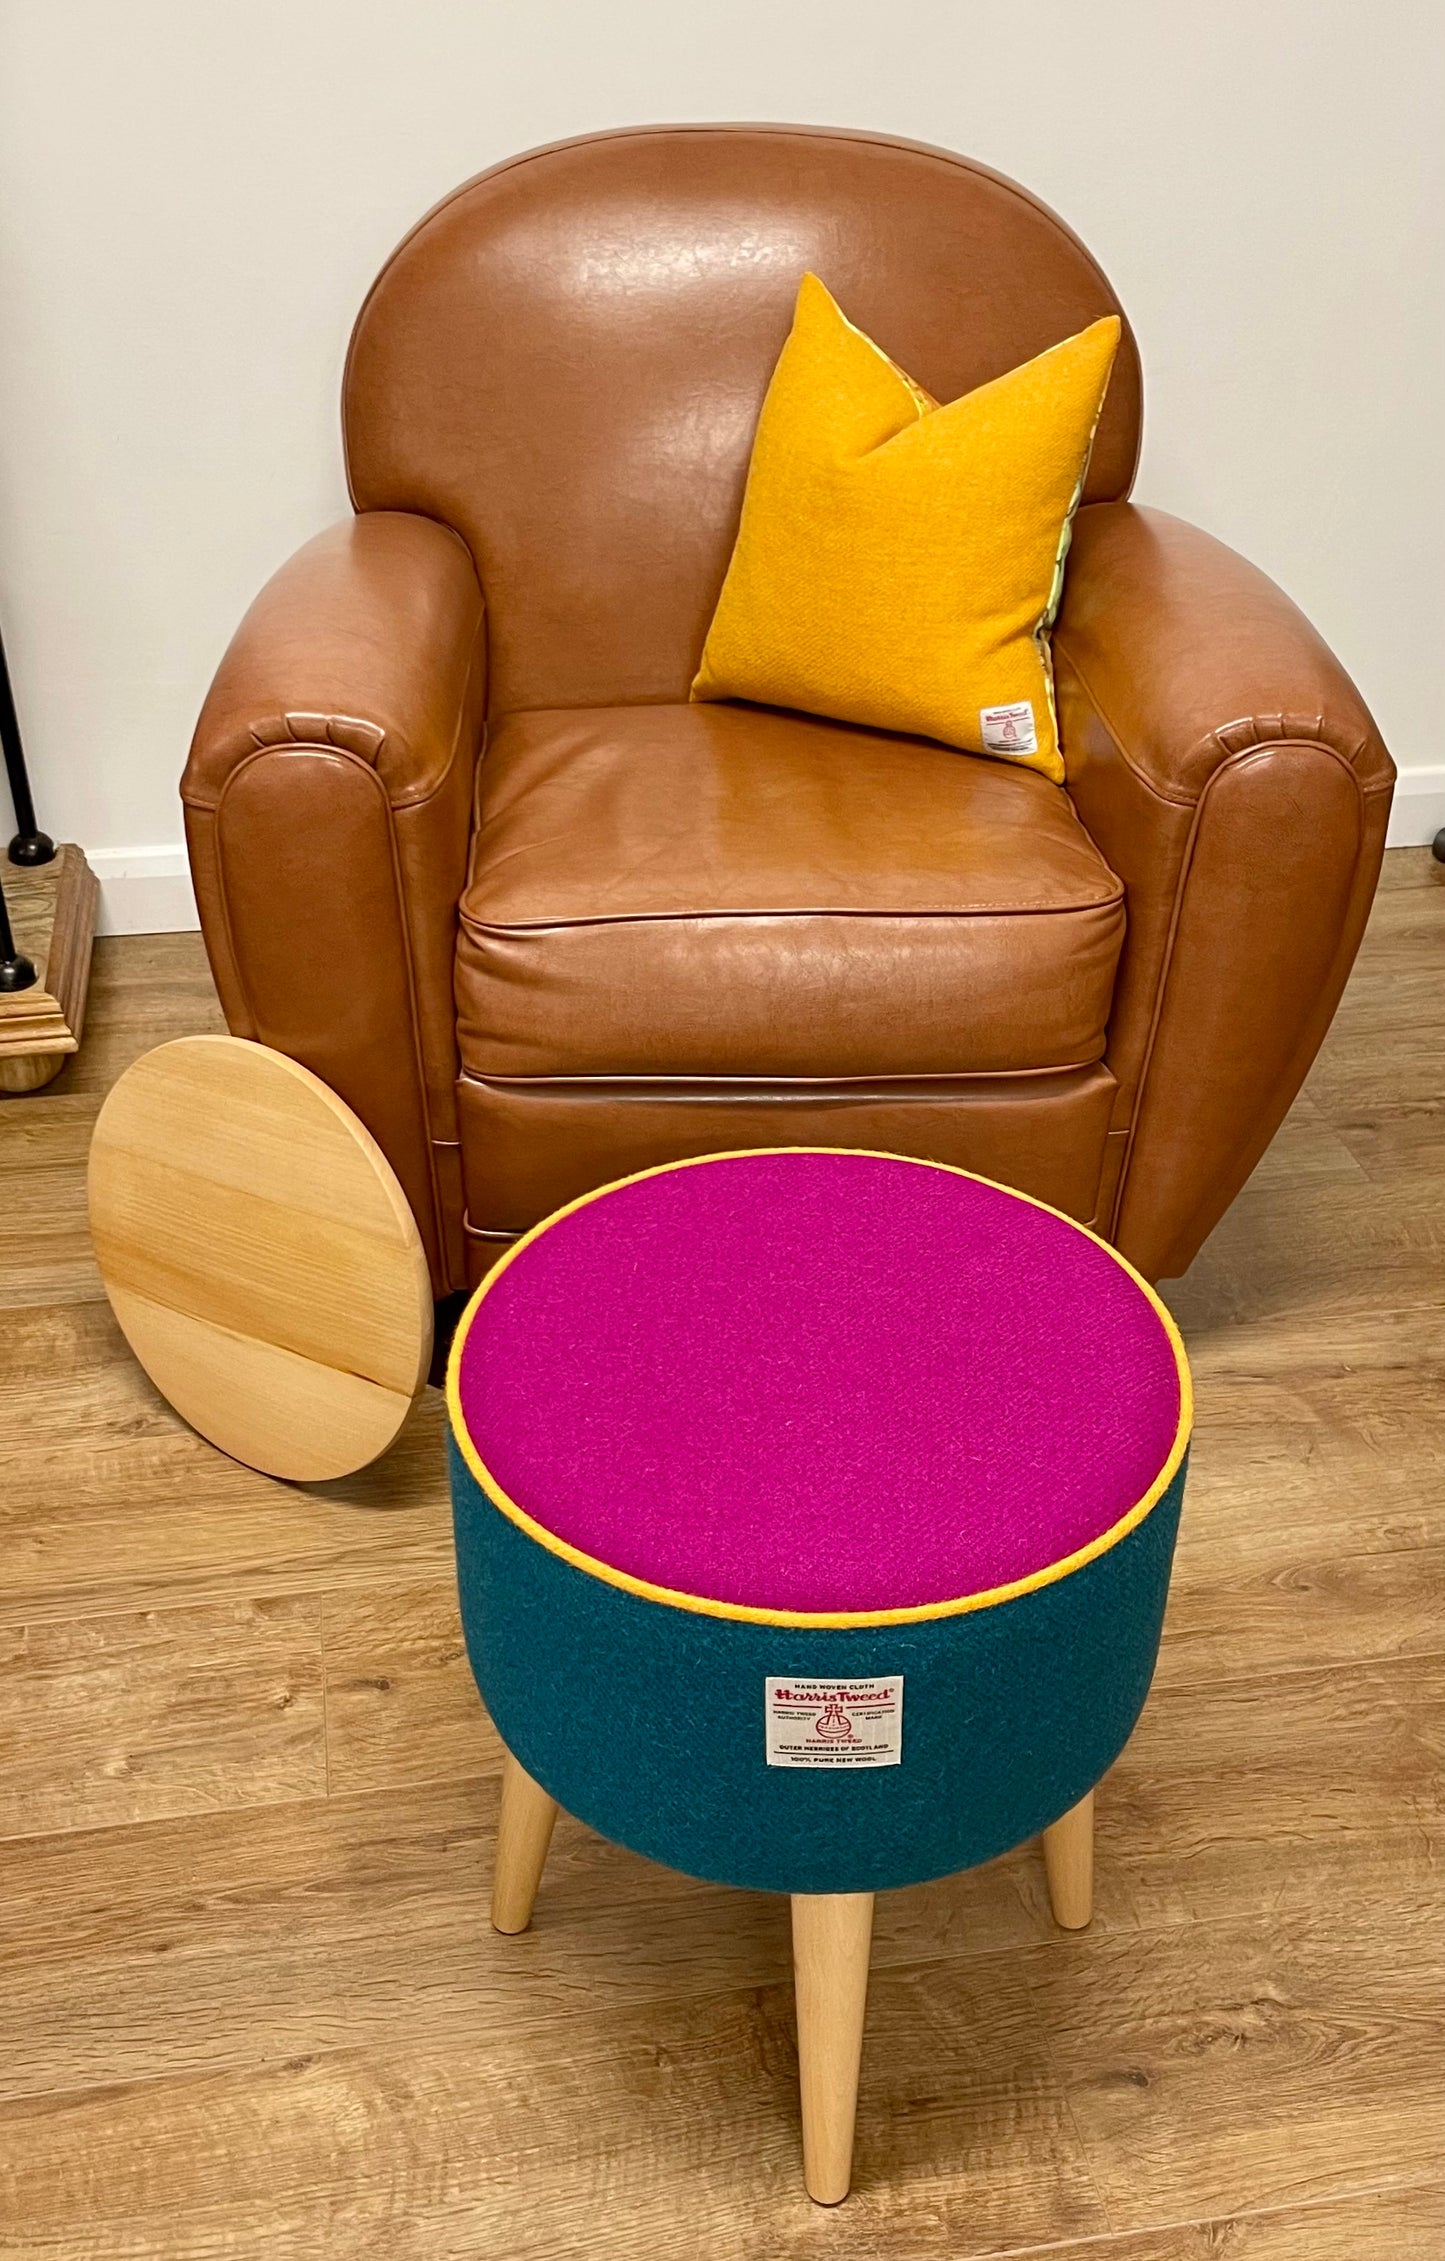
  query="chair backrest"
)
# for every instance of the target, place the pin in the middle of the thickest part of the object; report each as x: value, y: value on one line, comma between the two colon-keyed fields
x: 565, y: 362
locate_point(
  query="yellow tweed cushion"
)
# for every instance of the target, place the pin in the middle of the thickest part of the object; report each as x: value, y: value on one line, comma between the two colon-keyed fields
x: 899, y: 564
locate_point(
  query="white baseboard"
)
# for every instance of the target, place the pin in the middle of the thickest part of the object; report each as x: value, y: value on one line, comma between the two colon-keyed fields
x: 144, y: 890
x: 148, y: 890
x: 1418, y: 810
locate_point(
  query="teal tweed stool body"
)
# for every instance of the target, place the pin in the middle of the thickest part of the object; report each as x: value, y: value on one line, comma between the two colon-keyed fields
x: 814, y: 1518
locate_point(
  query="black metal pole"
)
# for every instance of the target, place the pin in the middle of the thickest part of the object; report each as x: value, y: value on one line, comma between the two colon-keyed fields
x: 30, y: 845
x: 15, y: 972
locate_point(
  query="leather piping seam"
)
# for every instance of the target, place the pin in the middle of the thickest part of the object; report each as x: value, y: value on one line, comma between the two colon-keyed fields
x: 949, y: 158
x: 491, y: 928
x: 1166, y: 965
x: 489, y: 1232
x: 213, y: 810
x: 478, y: 645
x: 354, y: 761
x: 844, y: 1085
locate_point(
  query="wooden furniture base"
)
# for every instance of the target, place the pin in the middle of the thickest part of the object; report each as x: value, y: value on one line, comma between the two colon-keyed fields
x: 260, y: 1256
x: 52, y: 910
x: 524, y: 1832
x: 832, y: 1939
x: 832, y: 1936
x: 1069, y: 1865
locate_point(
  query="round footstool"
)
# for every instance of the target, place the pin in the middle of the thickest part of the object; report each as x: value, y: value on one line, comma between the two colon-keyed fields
x: 814, y: 1517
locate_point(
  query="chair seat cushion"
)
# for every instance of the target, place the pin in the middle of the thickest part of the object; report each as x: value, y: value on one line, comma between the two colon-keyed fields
x: 729, y: 891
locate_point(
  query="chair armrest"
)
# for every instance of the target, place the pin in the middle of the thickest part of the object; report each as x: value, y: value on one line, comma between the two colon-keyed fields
x: 1229, y: 772
x: 328, y: 800
x: 367, y: 639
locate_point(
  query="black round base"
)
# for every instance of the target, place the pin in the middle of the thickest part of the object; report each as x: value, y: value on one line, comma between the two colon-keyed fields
x: 32, y: 848
x: 1437, y: 848
x: 16, y: 973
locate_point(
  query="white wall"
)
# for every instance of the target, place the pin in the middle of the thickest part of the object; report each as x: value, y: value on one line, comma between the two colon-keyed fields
x: 194, y: 195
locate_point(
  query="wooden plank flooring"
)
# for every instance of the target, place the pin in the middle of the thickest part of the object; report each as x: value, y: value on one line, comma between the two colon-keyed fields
x: 250, y: 2009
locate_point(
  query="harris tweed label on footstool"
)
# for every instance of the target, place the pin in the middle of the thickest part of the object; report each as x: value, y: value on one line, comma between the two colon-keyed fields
x: 834, y: 1722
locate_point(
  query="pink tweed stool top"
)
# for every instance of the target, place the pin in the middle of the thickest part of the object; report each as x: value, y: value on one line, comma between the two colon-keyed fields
x: 702, y: 1381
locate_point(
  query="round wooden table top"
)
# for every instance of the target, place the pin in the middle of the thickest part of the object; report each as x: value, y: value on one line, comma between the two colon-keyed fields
x: 260, y: 1256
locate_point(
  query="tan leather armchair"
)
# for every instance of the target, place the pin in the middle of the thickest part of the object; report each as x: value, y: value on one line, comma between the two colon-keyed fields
x: 462, y: 847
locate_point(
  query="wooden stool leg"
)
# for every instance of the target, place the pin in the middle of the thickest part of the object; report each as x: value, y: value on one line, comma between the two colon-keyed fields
x: 1069, y: 1865
x: 523, y: 1834
x: 832, y: 1933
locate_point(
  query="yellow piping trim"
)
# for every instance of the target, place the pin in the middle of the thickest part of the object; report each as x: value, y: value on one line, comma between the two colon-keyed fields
x: 924, y: 404
x: 701, y: 1605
